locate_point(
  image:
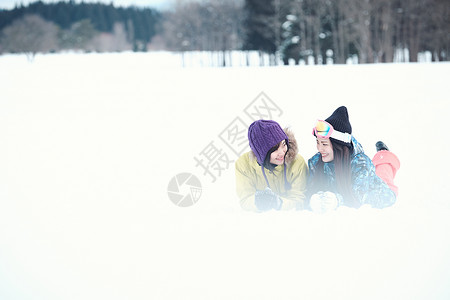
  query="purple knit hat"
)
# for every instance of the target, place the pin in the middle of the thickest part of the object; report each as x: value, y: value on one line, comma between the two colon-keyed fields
x: 263, y: 135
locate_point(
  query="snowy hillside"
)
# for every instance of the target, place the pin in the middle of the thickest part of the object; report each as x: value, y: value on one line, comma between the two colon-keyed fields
x: 90, y: 145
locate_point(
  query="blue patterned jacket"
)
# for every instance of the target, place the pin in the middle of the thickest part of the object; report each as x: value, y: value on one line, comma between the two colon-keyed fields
x: 368, y: 188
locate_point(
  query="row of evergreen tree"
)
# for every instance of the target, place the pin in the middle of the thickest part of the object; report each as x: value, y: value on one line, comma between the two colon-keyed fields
x: 139, y: 23
x: 314, y: 30
x: 374, y: 30
x: 287, y: 30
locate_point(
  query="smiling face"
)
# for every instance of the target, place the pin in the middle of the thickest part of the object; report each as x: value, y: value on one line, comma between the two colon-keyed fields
x: 325, y: 148
x: 277, y: 156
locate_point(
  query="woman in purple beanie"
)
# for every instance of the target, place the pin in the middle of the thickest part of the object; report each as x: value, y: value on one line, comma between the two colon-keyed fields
x: 272, y: 175
x: 341, y: 174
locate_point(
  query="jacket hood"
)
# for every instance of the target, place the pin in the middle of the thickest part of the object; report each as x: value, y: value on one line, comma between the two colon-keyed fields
x: 293, y: 147
x: 357, y: 147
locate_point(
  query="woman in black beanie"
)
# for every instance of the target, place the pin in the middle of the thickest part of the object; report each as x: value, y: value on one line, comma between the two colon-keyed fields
x: 341, y: 174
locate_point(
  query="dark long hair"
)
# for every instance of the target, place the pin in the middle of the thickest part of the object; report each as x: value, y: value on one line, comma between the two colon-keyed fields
x: 343, y: 175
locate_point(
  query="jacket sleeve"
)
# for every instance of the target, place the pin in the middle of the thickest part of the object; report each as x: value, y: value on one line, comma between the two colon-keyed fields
x: 297, y: 176
x: 368, y: 187
x: 245, y: 183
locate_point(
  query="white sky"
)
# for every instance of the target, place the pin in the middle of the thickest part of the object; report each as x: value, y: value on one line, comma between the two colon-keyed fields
x: 9, y: 4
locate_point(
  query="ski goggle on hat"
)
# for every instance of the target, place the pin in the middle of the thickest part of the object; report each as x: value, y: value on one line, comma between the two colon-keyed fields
x: 325, y: 130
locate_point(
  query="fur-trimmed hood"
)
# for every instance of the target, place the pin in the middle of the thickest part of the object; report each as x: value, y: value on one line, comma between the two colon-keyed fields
x: 293, y: 147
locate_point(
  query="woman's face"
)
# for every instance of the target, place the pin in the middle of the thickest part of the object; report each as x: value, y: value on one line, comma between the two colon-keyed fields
x: 325, y: 148
x: 277, y: 156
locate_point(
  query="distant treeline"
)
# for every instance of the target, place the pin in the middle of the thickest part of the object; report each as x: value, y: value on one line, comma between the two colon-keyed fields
x: 137, y: 24
x: 309, y: 31
x: 373, y: 30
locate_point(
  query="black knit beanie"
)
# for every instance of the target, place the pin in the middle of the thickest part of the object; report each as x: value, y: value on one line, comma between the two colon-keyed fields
x: 339, y: 121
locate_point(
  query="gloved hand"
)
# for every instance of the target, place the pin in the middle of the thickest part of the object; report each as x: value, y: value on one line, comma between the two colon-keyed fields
x: 323, y: 202
x: 267, y: 200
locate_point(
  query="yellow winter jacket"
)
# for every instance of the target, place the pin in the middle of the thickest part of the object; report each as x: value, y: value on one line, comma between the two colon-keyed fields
x: 249, y: 178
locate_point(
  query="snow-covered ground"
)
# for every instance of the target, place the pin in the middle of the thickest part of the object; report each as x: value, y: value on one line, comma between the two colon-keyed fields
x: 89, y: 144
